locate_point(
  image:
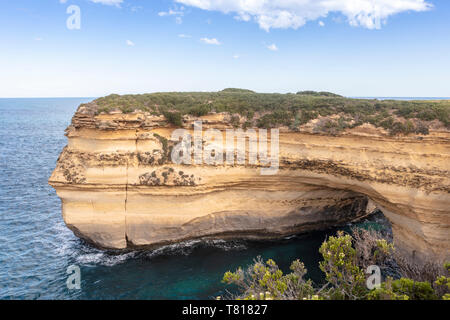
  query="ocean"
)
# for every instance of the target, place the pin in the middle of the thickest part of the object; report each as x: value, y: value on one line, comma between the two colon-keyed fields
x: 36, y: 248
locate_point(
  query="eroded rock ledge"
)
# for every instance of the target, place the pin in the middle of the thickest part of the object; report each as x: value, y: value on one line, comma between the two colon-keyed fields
x: 119, y: 188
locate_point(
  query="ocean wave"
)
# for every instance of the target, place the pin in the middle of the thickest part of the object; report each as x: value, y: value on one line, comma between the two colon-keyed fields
x: 103, y: 258
x: 187, y: 247
x: 94, y: 256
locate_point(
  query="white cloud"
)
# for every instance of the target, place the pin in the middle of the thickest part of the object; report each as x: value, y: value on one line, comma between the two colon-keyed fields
x: 176, y: 12
x: 321, y: 23
x: 62, y: 1
x: 38, y: 39
x: 108, y: 2
x: 130, y: 43
x: 370, y: 14
x: 172, y: 12
x: 136, y: 8
x: 272, y: 47
x: 236, y: 56
x: 210, y: 41
x: 182, y: 35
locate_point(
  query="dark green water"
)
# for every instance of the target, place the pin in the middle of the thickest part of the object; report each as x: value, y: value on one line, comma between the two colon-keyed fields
x: 36, y: 248
x: 192, y: 270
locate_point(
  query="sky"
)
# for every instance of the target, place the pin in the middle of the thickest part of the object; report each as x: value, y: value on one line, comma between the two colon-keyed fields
x: 92, y: 48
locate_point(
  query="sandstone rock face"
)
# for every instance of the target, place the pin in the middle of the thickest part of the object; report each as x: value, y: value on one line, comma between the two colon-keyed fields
x: 119, y: 187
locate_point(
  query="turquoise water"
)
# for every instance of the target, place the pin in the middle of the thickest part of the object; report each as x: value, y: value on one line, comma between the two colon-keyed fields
x: 36, y: 248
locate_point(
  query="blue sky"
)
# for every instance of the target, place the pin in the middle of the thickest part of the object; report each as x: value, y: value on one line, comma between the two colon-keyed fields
x: 351, y: 47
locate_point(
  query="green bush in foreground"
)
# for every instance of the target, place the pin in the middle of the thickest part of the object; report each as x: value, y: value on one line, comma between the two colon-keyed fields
x: 344, y: 264
x: 346, y: 278
x: 264, y: 280
x: 403, y: 289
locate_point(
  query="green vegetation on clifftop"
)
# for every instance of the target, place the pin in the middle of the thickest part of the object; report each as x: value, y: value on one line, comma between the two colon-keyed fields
x: 268, y: 110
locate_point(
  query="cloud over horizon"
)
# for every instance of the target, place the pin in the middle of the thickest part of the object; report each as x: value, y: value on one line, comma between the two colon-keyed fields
x: 370, y: 14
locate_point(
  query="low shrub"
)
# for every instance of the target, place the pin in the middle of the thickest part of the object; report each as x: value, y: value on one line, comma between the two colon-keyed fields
x: 345, y: 259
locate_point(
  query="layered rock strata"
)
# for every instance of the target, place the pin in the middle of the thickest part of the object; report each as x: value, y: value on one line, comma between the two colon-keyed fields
x: 119, y: 187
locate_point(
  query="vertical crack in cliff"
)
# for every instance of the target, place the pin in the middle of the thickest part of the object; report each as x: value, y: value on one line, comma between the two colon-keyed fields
x: 126, y: 189
x: 126, y: 185
x: 128, y: 164
x: 136, y: 140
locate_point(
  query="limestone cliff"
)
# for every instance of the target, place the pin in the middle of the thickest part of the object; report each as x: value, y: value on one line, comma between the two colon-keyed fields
x: 119, y: 188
